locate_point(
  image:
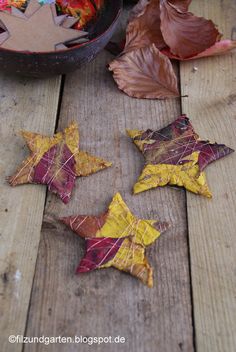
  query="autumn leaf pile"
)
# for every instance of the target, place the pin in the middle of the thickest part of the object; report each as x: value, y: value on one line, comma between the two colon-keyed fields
x: 157, y: 31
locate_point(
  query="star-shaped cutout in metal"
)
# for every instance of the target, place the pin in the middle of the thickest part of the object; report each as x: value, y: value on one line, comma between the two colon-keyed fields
x: 38, y: 29
x: 117, y: 239
x: 56, y: 162
x: 175, y: 155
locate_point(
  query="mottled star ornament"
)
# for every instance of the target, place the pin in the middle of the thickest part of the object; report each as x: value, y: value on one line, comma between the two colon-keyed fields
x: 117, y: 239
x: 56, y: 162
x: 175, y: 155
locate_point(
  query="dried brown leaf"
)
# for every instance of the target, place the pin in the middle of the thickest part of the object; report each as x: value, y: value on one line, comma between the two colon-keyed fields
x: 186, y: 34
x: 180, y: 5
x: 144, y: 26
x: 220, y: 48
x: 145, y: 73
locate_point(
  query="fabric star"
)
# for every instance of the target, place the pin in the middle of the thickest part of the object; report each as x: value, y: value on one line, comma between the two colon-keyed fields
x: 56, y: 162
x: 38, y: 29
x: 176, y: 156
x: 117, y: 239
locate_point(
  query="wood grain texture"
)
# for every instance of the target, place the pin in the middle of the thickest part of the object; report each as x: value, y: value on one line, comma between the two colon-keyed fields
x: 108, y: 302
x: 212, y: 223
x: 31, y: 105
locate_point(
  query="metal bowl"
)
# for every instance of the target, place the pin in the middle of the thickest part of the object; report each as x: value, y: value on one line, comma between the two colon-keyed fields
x: 64, y: 61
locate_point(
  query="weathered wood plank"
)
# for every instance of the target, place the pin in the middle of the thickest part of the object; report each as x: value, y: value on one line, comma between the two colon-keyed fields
x: 108, y: 302
x: 32, y: 105
x: 212, y: 223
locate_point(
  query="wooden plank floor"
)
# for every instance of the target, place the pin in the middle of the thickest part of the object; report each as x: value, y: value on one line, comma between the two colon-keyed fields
x: 212, y: 224
x: 31, y: 105
x: 192, y: 306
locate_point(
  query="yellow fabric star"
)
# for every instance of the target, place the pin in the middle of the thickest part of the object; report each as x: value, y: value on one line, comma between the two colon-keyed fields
x: 118, y: 239
x: 176, y: 156
x: 56, y: 161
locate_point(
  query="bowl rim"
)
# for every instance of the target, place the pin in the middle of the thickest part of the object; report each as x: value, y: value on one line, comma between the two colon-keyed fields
x: 67, y: 49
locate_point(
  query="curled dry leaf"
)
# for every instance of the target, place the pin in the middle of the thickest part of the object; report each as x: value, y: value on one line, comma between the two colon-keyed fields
x: 219, y: 48
x: 145, y: 73
x: 168, y: 26
x: 144, y: 26
x: 138, y: 10
x: 142, y: 71
x: 180, y: 5
x: 185, y: 34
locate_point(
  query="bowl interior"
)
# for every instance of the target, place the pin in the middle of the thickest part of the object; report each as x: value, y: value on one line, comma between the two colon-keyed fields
x: 106, y: 17
x: 45, y: 64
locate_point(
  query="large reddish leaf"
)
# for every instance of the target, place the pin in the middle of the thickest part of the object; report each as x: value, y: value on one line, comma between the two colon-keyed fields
x: 145, y: 73
x: 139, y: 9
x: 184, y: 33
x: 177, y: 33
x: 180, y: 5
x: 219, y: 48
x: 144, y: 26
x: 142, y: 71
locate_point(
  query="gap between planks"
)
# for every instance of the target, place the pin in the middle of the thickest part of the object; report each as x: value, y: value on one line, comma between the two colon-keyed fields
x: 211, y: 106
